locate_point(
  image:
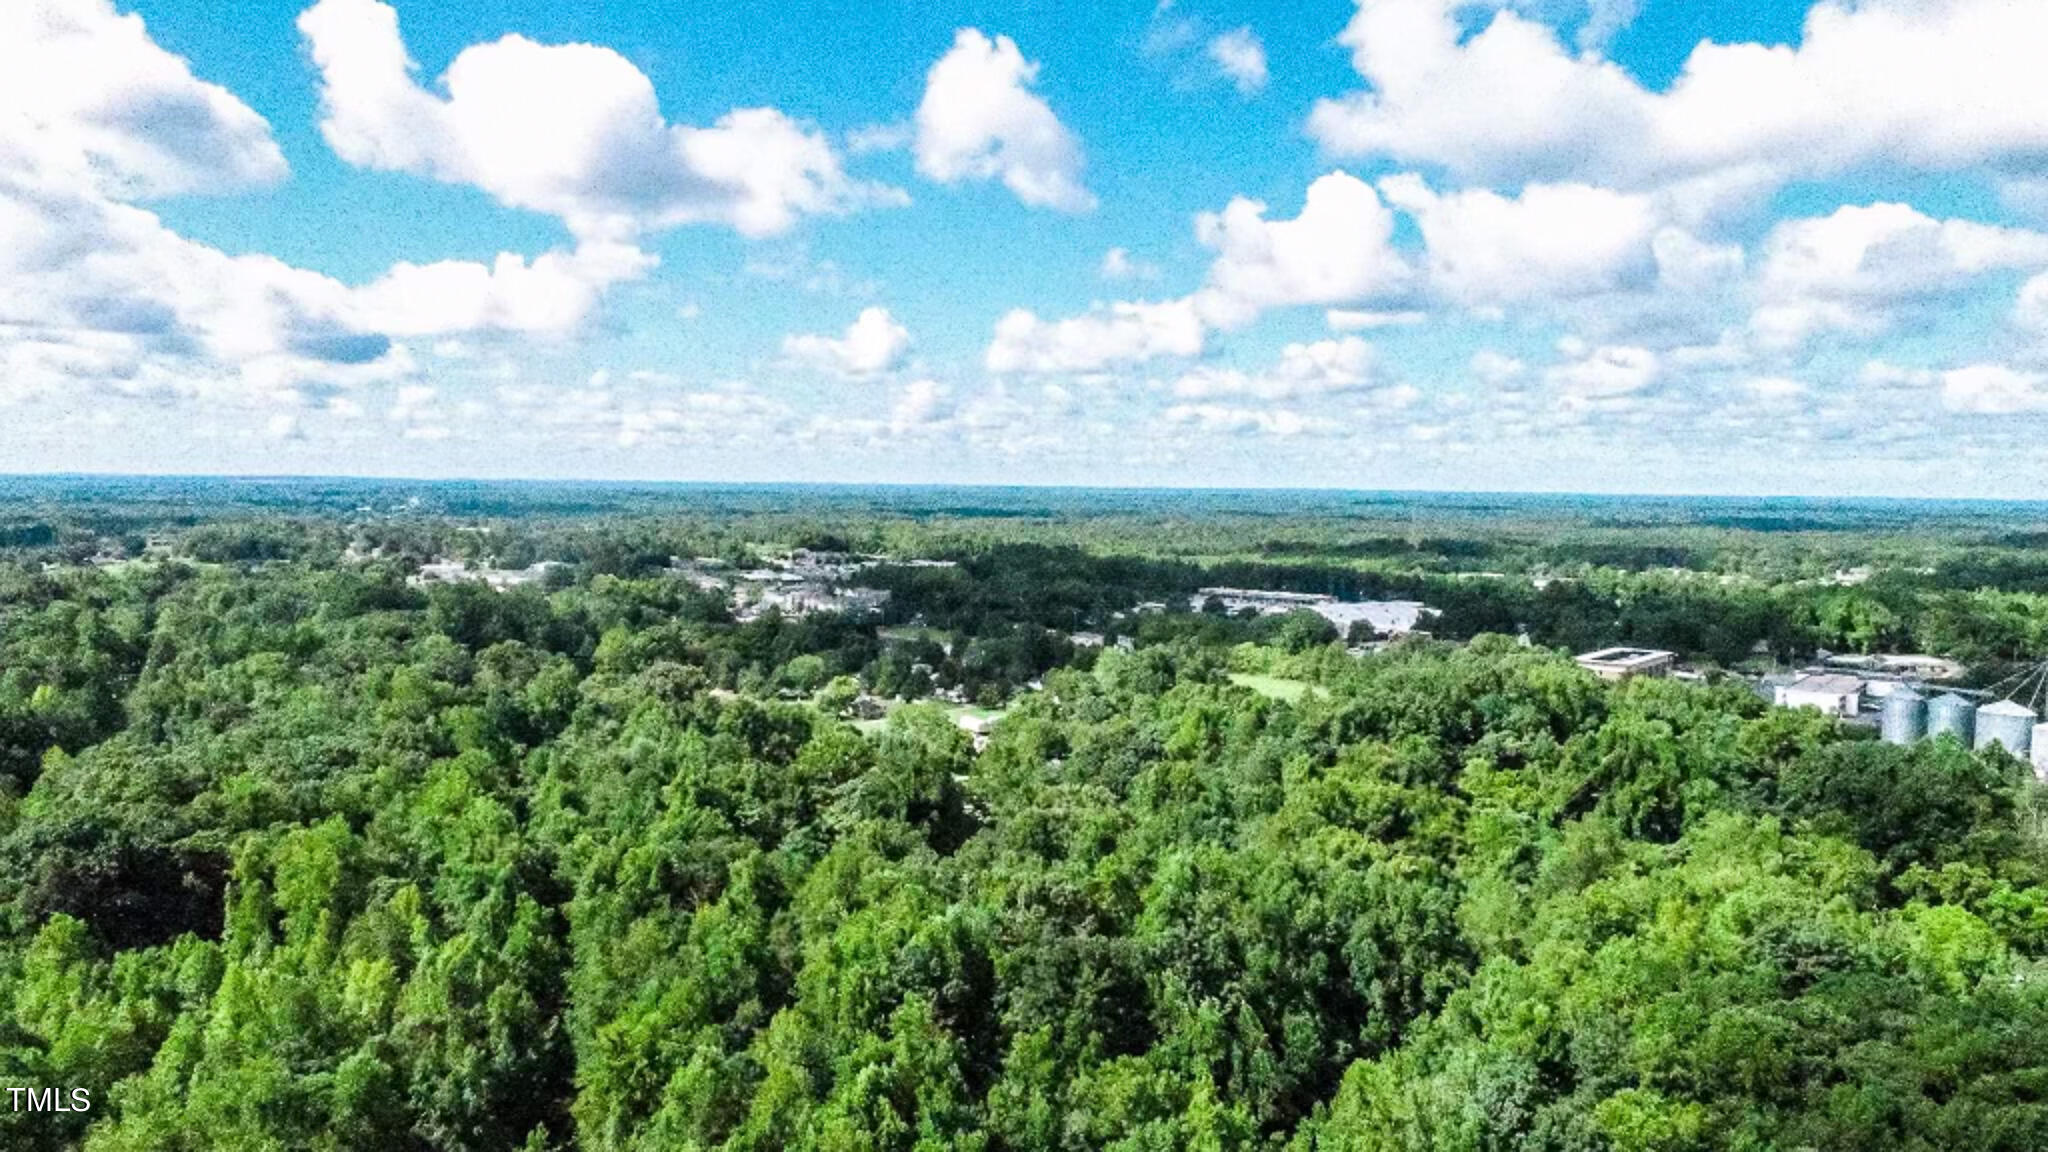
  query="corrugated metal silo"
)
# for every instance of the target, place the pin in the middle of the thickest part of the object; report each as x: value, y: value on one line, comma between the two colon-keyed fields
x: 2006, y: 723
x: 1951, y: 715
x: 1905, y: 717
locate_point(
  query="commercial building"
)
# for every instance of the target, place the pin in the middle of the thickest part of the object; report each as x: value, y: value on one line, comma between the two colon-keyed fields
x: 1384, y: 617
x: 1628, y: 663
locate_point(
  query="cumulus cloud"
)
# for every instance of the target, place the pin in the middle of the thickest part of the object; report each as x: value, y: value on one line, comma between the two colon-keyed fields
x: 96, y: 290
x: 130, y: 118
x: 980, y: 120
x: 1553, y: 240
x: 921, y: 405
x: 1322, y: 368
x: 1280, y: 422
x: 1943, y: 84
x: 1358, y: 320
x: 2031, y: 312
x: 1240, y: 57
x: 1993, y: 389
x: 570, y: 130
x: 873, y: 344
x: 1338, y: 250
x: 1852, y: 270
x: 1110, y: 335
x: 701, y: 418
x: 1606, y: 373
x: 1496, y: 369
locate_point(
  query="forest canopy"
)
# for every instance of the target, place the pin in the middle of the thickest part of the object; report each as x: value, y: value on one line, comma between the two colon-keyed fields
x: 295, y: 853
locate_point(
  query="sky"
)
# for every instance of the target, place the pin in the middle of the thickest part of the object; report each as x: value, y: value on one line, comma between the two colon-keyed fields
x: 1627, y: 246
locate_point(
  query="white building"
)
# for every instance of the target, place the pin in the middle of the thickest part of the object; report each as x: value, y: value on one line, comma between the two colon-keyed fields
x: 1834, y: 694
x: 1627, y: 663
x: 1385, y: 617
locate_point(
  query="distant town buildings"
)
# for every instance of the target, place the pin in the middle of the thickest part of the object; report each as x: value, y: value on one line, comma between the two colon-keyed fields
x: 1619, y: 664
x: 798, y: 584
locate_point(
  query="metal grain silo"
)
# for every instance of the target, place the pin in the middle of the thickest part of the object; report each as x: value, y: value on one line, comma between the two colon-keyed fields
x: 1905, y: 717
x: 1951, y: 715
x: 2006, y: 723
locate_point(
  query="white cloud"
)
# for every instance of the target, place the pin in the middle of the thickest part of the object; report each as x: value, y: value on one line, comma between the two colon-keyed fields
x: 1339, y: 250
x: 1604, y: 18
x: 1107, y: 336
x: 1322, y: 368
x: 1496, y: 369
x: 571, y: 130
x: 1851, y: 270
x: 980, y: 120
x: 2031, y: 312
x: 1278, y: 422
x: 1240, y: 57
x: 1685, y: 263
x: 1944, y: 84
x: 1994, y: 389
x: 130, y: 118
x: 97, y: 291
x: 727, y: 416
x: 1603, y: 373
x: 551, y: 294
x: 1119, y: 264
x: 1353, y: 320
x: 873, y: 344
x: 1773, y: 389
x: 1553, y: 240
x: 920, y: 405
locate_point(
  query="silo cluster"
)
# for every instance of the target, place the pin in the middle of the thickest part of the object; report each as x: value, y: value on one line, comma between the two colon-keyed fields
x: 1908, y: 718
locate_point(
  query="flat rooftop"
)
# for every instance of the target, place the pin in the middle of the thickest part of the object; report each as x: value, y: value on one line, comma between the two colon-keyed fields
x: 1827, y: 684
x: 1626, y: 657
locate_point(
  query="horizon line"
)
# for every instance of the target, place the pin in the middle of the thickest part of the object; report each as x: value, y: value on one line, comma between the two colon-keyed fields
x: 915, y: 485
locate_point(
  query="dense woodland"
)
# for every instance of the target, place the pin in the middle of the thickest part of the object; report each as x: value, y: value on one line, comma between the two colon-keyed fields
x: 296, y: 855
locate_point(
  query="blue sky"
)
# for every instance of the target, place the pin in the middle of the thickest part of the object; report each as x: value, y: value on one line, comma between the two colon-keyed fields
x: 1591, y: 245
